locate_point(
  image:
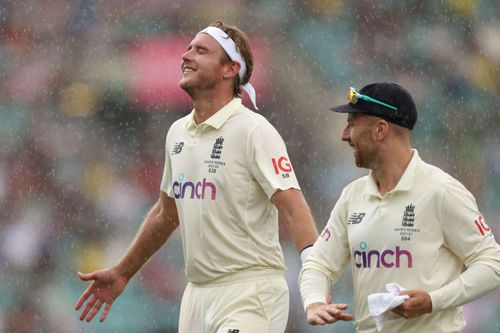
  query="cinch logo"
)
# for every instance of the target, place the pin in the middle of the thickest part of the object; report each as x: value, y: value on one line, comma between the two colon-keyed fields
x: 194, y: 190
x: 326, y: 234
x: 282, y: 164
x: 386, y: 258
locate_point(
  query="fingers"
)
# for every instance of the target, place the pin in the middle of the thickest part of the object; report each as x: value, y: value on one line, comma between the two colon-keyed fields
x: 95, y: 305
x: 98, y: 298
x: 341, y: 306
x: 339, y: 315
x: 82, y: 298
x: 105, y: 312
x: 406, y: 313
x: 327, y: 314
x: 412, y: 308
x: 86, y: 276
x: 316, y: 321
x: 88, y: 307
x: 402, y: 309
x: 345, y: 317
x: 321, y: 318
x: 402, y: 313
x: 94, y: 311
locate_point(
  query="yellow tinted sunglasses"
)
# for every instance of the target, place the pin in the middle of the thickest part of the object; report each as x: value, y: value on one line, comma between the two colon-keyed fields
x: 355, y: 95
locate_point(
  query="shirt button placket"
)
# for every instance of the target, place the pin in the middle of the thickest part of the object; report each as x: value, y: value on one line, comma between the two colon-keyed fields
x: 196, y: 135
x: 381, y: 206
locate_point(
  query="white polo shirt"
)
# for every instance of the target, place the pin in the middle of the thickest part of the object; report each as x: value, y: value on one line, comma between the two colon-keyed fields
x: 222, y: 174
x: 419, y: 235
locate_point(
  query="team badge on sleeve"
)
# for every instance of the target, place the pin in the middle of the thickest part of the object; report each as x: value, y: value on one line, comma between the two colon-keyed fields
x: 282, y: 166
x: 481, y: 225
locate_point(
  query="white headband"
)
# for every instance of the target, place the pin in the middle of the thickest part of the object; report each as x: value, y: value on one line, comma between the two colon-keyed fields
x: 232, y: 51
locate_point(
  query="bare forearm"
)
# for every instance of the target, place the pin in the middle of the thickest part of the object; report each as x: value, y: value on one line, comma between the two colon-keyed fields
x: 157, y: 227
x: 300, y: 225
x: 295, y: 214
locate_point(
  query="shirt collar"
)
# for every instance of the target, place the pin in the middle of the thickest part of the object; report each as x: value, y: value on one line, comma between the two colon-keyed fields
x: 405, y: 182
x: 218, y: 118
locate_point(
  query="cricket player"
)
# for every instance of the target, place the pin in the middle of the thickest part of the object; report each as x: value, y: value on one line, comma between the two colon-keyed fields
x: 407, y: 222
x: 227, y: 176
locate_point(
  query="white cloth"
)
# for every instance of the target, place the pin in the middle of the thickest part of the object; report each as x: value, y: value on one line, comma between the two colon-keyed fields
x: 380, y: 303
x: 232, y: 51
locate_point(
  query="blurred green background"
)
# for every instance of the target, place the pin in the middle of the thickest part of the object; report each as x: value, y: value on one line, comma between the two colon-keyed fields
x: 88, y: 90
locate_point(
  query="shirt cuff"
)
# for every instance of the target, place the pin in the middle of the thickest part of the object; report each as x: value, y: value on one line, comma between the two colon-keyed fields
x: 305, y: 253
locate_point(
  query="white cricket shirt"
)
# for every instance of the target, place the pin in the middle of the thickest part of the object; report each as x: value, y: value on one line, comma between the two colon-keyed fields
x: 222, y: 174
x: 419, y: 235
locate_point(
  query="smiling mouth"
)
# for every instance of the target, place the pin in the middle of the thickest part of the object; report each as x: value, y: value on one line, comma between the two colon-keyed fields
x: 187, y: 69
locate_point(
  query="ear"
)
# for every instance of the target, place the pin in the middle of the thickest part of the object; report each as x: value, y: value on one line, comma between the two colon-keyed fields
x: 381, y: 129
x: 231, y: 69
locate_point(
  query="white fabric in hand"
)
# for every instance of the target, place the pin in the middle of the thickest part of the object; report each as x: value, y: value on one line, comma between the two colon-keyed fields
x: 380, y: 303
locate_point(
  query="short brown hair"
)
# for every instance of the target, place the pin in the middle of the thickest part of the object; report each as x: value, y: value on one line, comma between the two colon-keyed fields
x: 243, y: 46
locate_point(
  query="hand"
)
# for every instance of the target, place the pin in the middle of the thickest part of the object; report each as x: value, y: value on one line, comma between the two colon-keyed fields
x: 418, y: 304
x: 321, y: 313
x: 106, y: 286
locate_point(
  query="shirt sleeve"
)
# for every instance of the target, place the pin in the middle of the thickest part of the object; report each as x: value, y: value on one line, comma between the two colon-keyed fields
x: 166, y: 181
x: 329, y: 257
x: 470, y: 238
x: 268, y: 159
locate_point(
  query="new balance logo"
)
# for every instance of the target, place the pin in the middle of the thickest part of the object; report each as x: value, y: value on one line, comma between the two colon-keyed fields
x: 356, y: 218
x: 177, y: 148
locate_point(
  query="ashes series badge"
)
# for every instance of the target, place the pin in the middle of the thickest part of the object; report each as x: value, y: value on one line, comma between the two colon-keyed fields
x: 407, y: 228
x: 215, y: 160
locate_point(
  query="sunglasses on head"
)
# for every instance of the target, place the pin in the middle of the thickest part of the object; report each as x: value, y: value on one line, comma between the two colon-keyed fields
x: 355, y: 95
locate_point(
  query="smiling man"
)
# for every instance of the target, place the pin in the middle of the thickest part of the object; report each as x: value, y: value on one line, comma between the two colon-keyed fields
x: 407, y: 222
x: 227, y: 176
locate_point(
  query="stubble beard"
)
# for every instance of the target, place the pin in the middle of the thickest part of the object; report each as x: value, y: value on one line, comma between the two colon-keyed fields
x: 188, y: 88
x: 359, y: 160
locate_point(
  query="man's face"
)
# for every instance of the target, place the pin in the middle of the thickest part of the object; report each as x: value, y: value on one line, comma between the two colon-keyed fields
x: 359, y: 135
x: 202, y: 64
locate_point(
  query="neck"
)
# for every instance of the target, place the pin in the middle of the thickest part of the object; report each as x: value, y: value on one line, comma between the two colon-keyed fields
x: 390, y: 166
x: 206, y: 104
